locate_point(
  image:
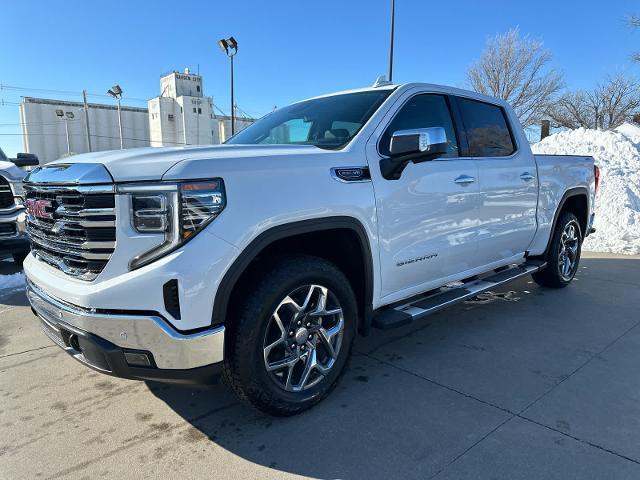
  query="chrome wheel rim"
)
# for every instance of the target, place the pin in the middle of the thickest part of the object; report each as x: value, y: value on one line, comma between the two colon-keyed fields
x: 568, y: 255
x: 303, y: 338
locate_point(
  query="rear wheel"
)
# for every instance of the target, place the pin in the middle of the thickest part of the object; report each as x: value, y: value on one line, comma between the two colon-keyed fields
x: 293, y: 336
x: 563, y: 256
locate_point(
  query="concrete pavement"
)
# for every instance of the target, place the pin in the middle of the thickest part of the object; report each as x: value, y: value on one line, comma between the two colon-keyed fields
x: 521, y: 383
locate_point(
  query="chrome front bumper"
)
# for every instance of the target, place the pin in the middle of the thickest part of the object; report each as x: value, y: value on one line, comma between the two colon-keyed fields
x: 171, y: 350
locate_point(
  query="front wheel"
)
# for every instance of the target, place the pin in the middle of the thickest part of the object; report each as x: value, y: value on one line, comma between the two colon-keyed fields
x: 293, y: 336
x: 563, y: 256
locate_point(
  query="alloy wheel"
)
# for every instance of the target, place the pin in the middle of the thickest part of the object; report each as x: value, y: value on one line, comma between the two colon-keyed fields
x: 568, y: 255
x: 303, y: 338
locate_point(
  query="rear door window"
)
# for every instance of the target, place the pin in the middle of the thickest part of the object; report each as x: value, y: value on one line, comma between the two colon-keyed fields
x: 487, y: 129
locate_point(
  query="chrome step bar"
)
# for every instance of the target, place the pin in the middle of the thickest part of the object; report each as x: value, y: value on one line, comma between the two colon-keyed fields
x: 434, y: 301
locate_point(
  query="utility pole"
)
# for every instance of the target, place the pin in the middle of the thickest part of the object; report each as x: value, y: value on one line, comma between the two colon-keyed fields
x: 86, y: 118
x: 393, y: 15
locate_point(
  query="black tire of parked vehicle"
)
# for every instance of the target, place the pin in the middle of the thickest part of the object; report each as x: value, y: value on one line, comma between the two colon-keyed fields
x: 19, y: 258
x: 245, y: 363
x: 552, y: 275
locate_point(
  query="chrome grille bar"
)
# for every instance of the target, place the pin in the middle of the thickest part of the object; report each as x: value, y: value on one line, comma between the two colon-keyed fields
x: 72, y: 228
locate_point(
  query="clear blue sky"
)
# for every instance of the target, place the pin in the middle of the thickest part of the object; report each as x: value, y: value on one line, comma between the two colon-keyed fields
x: 288, y: 49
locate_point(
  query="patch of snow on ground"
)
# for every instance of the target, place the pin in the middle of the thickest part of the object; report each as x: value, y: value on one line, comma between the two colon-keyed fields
x: 12, y: 282
x: 618, y: 199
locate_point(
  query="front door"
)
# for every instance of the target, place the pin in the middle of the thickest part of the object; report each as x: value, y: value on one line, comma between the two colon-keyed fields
x: 426, y: 218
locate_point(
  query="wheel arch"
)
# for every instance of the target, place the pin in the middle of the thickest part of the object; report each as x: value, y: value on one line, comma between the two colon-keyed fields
x: 575, y: 200
x: 241, y: 270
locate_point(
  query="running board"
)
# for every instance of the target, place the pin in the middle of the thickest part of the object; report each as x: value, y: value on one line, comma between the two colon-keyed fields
x: 434, y: 301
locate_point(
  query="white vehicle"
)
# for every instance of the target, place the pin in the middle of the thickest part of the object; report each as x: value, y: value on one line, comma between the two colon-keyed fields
x: 263, y: 258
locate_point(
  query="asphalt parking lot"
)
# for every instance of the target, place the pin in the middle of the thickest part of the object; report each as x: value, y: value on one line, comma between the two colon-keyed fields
x: 522, y: 383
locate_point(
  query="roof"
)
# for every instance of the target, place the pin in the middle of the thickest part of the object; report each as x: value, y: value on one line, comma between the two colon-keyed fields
x: 67, y: 103
x: 427, y: 86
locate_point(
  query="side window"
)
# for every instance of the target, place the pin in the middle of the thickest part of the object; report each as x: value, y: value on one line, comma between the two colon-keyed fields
x: 487, y: 130
x: 292, y: 131
x: 422, y: 111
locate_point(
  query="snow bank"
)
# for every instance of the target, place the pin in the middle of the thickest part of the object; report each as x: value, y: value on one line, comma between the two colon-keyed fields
x: 618, y: 200
x: 12, y: 282
x: 630, y: 130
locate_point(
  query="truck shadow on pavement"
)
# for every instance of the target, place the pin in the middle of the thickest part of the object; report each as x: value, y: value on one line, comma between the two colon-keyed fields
x: 415, y: 399
x: 14, y: 295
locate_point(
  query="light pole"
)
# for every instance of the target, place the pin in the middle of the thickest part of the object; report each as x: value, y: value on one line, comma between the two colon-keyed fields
x: 230, y: 47
x: 66, y: 116
x: 393, y: 15
x: 116, y: 92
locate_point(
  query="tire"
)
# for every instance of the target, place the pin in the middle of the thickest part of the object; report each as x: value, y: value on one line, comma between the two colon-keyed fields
x: 558, y: 274
x: 257, y: 342
x: 19, y: 257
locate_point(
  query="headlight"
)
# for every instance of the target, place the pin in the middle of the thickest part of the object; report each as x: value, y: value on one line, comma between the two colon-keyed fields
x: 18, y: 191
x: 177, y: 211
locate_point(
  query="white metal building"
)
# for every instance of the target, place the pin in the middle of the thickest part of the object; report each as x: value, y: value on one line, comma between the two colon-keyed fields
x: 44, y: 132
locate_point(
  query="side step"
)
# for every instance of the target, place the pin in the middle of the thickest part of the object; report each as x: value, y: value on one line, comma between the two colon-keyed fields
x: 431, y: 302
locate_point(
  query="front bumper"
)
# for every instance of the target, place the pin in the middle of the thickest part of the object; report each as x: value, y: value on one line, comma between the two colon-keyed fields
x: 129, y: 344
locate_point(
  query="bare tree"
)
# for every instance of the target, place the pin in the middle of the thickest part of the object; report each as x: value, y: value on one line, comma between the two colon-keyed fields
x: 635, y: 23
x: 515, y: 69
x: 610, y: 104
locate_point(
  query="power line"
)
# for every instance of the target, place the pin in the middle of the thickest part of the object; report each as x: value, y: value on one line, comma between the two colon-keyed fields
x: 62, y: 92
x: 94, y: 95
x: 83, y: 136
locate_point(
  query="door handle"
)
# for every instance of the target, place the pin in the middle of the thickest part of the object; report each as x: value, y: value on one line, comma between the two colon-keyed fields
x: 527, y: 177
x: 464, y: 180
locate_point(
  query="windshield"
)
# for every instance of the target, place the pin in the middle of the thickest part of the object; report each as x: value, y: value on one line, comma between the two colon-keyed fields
x: 327, y: 122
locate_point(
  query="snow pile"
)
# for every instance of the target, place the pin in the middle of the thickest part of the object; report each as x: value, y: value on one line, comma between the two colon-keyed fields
x: 630, y: 130
x: 618, y: 200
x: 12, y: 282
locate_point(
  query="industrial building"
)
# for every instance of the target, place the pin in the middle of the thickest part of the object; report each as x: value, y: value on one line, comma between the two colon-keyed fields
x: 45, y: 124
x: 181, y: 115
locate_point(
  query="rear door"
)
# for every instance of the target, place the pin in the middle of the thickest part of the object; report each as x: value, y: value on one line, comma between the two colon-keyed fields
x: 508, y: 182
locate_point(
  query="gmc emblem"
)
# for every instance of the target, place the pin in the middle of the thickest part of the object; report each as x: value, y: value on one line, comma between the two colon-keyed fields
x: 38, y: 208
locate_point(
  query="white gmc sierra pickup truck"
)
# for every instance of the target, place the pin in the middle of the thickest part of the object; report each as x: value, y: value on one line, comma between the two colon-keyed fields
x: 261, y: 259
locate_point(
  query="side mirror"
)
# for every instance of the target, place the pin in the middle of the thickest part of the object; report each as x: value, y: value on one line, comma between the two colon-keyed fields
x: 418, y: 145
x: 26, y: 160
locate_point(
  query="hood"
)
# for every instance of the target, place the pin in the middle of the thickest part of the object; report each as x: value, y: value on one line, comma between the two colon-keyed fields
x: 10, y: 171
x: 151, y: 163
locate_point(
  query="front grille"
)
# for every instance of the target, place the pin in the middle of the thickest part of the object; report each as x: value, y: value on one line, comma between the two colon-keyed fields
x: 72, y: 228
x: 8, y: 229
x: 6, y: 195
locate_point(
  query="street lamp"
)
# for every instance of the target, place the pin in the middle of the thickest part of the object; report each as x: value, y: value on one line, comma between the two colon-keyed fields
x: 230, y: 47
x: 116, y: 92
x: 66, y: 116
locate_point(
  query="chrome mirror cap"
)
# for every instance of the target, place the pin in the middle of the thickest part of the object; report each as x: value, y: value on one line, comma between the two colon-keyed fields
x: 419, y: 140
